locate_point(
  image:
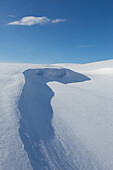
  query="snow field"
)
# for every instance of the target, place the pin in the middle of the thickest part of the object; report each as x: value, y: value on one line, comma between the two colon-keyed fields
x: 56, y: 116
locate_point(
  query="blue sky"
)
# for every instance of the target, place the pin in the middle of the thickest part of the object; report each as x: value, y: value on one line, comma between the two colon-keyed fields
x: 56, y: 31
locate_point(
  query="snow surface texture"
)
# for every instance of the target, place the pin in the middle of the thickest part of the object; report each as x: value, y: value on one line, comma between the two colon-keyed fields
x: 53, y: 117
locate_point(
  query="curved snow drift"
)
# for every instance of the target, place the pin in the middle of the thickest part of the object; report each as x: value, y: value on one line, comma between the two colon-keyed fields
x: 36, y: 131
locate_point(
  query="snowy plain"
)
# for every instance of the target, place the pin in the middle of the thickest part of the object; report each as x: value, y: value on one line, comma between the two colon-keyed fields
x: 56, y: 116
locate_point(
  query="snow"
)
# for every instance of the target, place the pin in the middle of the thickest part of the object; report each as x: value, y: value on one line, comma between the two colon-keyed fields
x: 56, y: 116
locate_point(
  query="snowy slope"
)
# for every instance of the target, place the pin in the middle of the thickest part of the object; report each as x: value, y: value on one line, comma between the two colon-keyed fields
x: 56, y: 116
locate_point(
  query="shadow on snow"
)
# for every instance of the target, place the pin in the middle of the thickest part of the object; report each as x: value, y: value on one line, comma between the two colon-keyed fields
x: 36, y: 114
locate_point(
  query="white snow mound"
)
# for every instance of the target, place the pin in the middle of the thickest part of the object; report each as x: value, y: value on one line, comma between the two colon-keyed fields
x: 56, y: 116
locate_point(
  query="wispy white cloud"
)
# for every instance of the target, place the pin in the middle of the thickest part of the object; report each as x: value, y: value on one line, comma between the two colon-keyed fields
x: 12, y: 16
x: 58, y: 20
x: 31, y: 20
x: 84, y: 46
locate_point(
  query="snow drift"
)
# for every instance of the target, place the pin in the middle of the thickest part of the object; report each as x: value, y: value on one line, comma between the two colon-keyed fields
x: 56, y: 116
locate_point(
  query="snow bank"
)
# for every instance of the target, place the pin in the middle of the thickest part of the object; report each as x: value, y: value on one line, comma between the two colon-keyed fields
x: 87, y: 110
x: 53, y: 117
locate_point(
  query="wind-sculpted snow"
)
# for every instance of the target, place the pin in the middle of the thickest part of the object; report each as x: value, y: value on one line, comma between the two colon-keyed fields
x: 45, y: 151
x: 51, y: 125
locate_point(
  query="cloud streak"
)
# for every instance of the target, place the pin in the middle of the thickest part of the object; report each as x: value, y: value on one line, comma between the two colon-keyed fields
x: 31, y: 20
x: 12, y: 16
x: 85, y: 46
x: 58, y: 20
